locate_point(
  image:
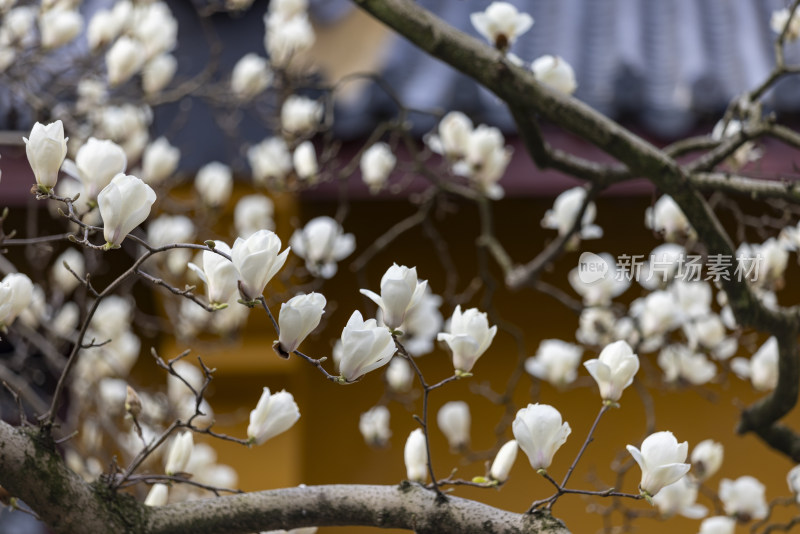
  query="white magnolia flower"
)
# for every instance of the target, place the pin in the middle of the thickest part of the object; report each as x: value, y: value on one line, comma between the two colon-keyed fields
x: 124, y: 204
x: 157, y: 496
x: 219, y: 274
x: 365, y: 347
x: 376, y: 165
x: 155, y: 27
x: 253, y: 213
x: 96, y: 164
x: 679, y: 498
x: 374, y: 426
x: 62, y: 278
x: 250, y: 76
x: 779, y: 20
x: 298, y: 318
x: 718, y: 525
x: 666, y: 217
x: 743, y: 498
x: 662, y: 266
x: 46, y: 149
x: 501, y: 24
x: 539, y: 432
x: 596, y: 326
x: 709, y: 332
x: 415, y: 455
x: 179, y: 453
x: 124, y: 59
x: 599, y: 291
x: 657, y: 313
x: 746, y: 153
x: 400, y: 291
x: 423, y: 321
x: 322, y: 243
x: 555, y: 361
x: 454, y: 421
x: 16, y: 293
x: 214, y: 183
x: 159, y: 161
x: 680, y: 362
x: 504, y: 461
x: 565, y: 211
x: 300, y: 115
x: 288, y: 8
x: 399, y: 375
x: 468, y: 337
x: 168, y: 229
x: 58, y: 26
x: 285, y: 38
x: 761, y: 368
x: 452, y: 136
x: 258, y: 259
x: 707, y: 458
x: 661, y: 460
x: 614, y: 369
x: 556, y: 73
x: 105, y: 26
x: 764, y: 264
x: 305, y: 161
x: 158, y: 72
x: 793, y: 481
x: 18, y: 26
x: 270, y: 160
x: 113, y: 317
x: 485, y: 160
x: 274, y: 414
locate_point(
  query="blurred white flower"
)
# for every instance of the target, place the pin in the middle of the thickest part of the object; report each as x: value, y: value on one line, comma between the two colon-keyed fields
x: 158, y: 72
x: 322, y: 242
x: 96, y: 163
x: 565, y: 211
x: 501, y: 24
x: 159, y: 161
x: 680, y: 362
x: 707, y: 458
x: 679, y: 498
x: 666, y: 217
x: 157, y: 496
x: 555, y: 73
x: 452, y: 136
x: 124, y: 59
x: 399, y: 375
x: 300, y: 115
x: 305, y: 161
x: 377, y: 163
x: 485, y: 160
x: 744, y: 498
x: 555, y: 361
x: 779, y: 20
x: 180, y: 452
x: 58, y: 26
x: 270, y: 160
x: 250, y: 76
x: 601, y: 291
x: 415, y: 455
x: 285, y: 38
x: 155, y: 27
x: 62, y: 278
x: 718, y: 525
x: 454, y: 421
x: 761, y: 368
x: 374, y: 426
x: 214, y: 183
x: 16, y: 293
x: 253, y: 213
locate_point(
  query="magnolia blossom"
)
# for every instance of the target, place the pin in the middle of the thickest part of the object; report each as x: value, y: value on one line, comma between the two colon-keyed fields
x: 565, y: 211
x: 400, y: 291
x: 781, y: 18
x: 415, y: 455
x: 274, y: 414
x: 706, y: 458
x: 322, y: 243
x: 64, y: 279
x: 287, y: 37
x: 614, y: 369
x: 159, y: 161
x: 501, y: 24
x: 253, y: 213
x: 468, y: 338
x: 680, y: 362
x: 124, y: 59
x: 16, y: 293
x: 157, y: 496
x: 504, y: 461
x: 106, y: 25
x: 596, y: 326
x: 743, y: 498
x: 556, y: 73
x: 657, y: 313
x: 793, y: 481
x: 762, y: 367
x: 399, y: 375
x: 298, y: 318
x: 599, y: 287
x: 718, y: 525
x: 374, y: 426
x: 539, y: 432
x: 679, y: 498
x: 219, y: 274
x: 124, y: 204
x: 257, y: 259
x: 46, y: 149
x: 485, y: 160
x: 423, y: 321
x: 179, y: 453
x: 270, y: 160
x: 746, y: 153
x: 454, y: 422
x: 58, y: 26
x: 300, y: 115
x: 662, y: 266
x: 376, y: 165
x: 305, y: 161
x: 96, y: 164
x: 250, y: 76
x: 214, y: 183
x: 113, y: 317
x: 154, y: 25
x: 452, y: 136
x: 365, y: 347
x: 661, y: 460
x: 556, y: 361
x: 167, y: 229
x: 666, y: 217
x: 18, y: 25
x: 763, y: 264
x: 158, y: 72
